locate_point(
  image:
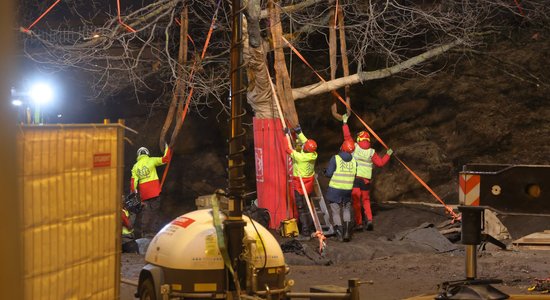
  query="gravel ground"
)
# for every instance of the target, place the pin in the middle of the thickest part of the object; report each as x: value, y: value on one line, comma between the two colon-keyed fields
x: 397, y: 269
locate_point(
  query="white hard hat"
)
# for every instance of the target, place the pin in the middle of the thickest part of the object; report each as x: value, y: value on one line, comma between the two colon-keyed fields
x: 142, y: 150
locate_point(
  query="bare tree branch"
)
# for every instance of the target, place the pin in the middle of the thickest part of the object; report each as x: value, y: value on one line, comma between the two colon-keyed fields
x: 328, y: 86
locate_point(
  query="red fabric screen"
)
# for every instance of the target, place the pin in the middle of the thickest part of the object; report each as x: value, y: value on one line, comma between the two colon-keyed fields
x: 272, y: 164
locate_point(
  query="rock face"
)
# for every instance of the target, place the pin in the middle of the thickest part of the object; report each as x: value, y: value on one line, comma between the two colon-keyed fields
x: 492, y: 108
x: 482, y: 111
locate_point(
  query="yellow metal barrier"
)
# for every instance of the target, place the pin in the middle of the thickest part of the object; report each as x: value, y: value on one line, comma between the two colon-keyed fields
x: 70, y: 181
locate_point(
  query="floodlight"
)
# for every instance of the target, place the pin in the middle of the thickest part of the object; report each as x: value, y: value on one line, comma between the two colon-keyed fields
x: 17, y: 102
x: 41, y: 93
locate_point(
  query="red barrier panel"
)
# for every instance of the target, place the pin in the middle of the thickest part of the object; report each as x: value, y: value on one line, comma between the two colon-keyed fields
x: 271, y: 168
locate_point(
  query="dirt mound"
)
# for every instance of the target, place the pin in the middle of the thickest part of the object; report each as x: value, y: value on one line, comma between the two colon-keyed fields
x: 389, y: 221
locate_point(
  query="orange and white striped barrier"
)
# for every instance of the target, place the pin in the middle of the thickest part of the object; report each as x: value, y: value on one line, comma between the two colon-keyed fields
x: 469, y: 186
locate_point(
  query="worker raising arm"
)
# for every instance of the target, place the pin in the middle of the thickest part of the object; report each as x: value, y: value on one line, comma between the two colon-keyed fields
x: 366, y: 158
x: 146, y: 181
x: 304, y: 166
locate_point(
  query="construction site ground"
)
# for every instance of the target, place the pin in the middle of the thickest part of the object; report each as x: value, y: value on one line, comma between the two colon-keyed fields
x: 398, y: 267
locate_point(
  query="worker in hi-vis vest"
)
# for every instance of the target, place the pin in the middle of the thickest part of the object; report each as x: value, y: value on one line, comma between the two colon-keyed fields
x: 146, y: 181
x: 341, y: 170
x: 128, y: 240
x: 366, y: 159
x: 304, y: 166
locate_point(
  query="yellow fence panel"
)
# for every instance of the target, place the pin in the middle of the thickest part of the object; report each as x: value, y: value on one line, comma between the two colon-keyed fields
x: 70, y: 180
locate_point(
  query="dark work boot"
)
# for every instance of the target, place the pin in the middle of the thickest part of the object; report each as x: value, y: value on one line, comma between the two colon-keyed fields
x: 367, y: 225
x: 347, y: 231
x: 339, y: 234
x: 358, y: 227
x: 305, y: 232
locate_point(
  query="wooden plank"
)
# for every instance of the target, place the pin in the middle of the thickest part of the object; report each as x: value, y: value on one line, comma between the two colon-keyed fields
x: 538, y: 238
x: 512, y: 297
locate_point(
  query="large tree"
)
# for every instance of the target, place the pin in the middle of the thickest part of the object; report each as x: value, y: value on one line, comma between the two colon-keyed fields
x: 154, y: 48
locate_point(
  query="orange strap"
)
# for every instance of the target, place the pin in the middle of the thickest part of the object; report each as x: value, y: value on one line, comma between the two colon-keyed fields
x: 191, y: 76
x: 56, y: 2
x: 41, y: 16
x: 519, y: 8
x: 120, y: 19
x: 319, y: 235
x: 335, y: 93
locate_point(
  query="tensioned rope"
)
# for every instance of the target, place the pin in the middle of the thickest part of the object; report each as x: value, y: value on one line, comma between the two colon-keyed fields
x: 120, y: 18
x: 335, y: 93
x: 41, y: 16
x: 519, y: 8
x: 318, y: 230
x: 56, y: 2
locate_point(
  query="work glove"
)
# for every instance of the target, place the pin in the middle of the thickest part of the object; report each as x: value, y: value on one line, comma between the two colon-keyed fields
x: 389, y: 152
x: 298, y: 129
x: 286, y: 130
x: 345, y: 118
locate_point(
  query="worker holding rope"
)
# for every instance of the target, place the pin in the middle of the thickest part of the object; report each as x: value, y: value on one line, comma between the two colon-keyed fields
x: 341, y: 169
x: 366, y: 158
x: 303, y: 165
x: 146, y: 181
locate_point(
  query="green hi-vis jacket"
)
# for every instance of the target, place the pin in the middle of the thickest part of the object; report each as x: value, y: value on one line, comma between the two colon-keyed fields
x: 144, y: 175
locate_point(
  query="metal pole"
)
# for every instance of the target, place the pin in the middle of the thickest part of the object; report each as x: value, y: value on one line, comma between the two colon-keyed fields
x: 234, y: 224
x: 471, y: 262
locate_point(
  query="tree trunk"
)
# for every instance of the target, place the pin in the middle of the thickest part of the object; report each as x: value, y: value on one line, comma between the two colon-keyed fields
x: 283, y: 87
x: 345, y: 63
x: 180, y: 85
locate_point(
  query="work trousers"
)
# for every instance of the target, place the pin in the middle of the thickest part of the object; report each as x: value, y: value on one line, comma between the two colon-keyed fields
x: 361, y: 198
x: 335, y: 209
x: 149, y: 217
x: 303, y: 214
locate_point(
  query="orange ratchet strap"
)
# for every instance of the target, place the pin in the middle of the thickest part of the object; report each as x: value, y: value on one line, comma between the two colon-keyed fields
x: 41, y: 16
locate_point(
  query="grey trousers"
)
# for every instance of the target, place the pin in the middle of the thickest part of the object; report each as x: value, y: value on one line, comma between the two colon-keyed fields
x: 335, y: 209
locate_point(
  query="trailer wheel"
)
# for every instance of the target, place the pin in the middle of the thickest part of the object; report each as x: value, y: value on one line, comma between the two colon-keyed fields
x: 147, y: 290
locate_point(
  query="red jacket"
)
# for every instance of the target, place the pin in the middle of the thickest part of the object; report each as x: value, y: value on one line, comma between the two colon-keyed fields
x: 376, y: 159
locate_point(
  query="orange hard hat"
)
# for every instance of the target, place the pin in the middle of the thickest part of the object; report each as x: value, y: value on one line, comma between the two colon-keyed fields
x: 310, y: 146
x: 348, y: 146
x: 362, y: 136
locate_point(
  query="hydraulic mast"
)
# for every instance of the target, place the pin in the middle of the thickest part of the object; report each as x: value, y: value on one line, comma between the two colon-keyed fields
x: 234, y: 223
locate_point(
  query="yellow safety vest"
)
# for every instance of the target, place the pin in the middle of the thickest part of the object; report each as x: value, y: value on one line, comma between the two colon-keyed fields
x: 126, y: 231
x: 344, y: 175
x: 364, y: 161
x: 304, y: 162
x: 144, y: 169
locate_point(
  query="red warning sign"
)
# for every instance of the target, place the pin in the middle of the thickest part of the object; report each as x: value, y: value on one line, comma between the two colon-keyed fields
x: 102, y: 160
x: 182, y: 222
